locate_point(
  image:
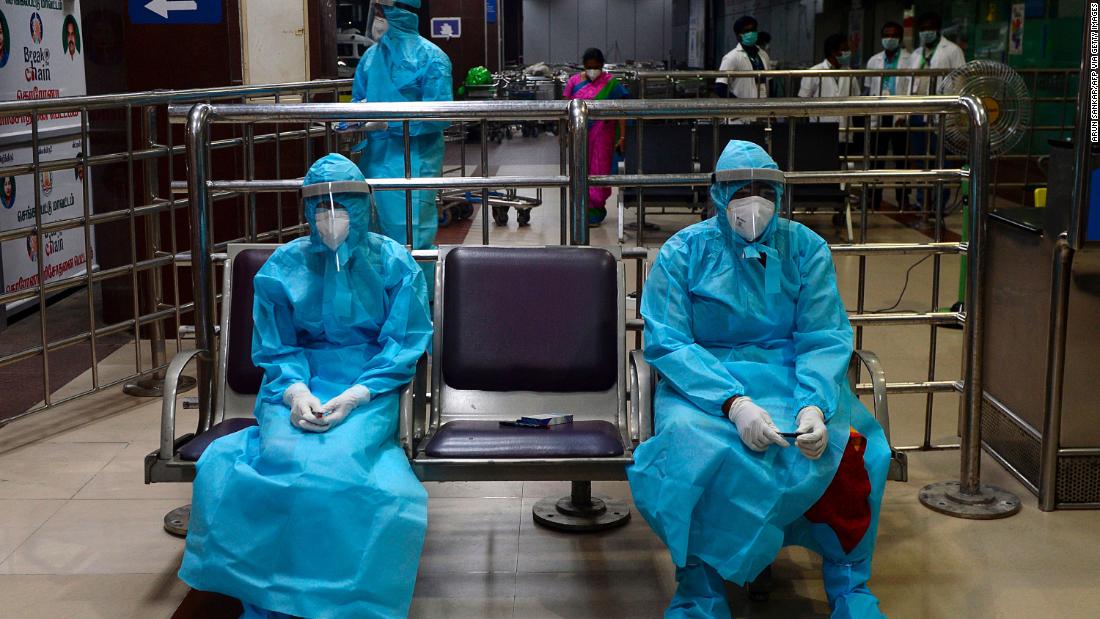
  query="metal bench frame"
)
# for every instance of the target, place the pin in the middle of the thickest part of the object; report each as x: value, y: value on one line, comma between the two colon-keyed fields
x: 580, y: 511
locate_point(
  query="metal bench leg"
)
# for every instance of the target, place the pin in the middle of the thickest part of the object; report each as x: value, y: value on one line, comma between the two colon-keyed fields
x: 580, y: 512
x: 177, y: 521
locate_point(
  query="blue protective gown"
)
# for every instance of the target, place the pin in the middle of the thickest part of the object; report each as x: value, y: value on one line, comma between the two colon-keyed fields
x: 404, y: 66
x: 332, y: 524
x: 719, y: 323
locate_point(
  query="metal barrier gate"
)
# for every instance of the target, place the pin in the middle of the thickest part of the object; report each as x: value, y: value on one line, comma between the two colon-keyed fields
x: 968, y: 497
x: 136, y: 121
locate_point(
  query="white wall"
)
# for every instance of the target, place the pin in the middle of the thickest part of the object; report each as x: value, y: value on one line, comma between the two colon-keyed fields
x: 558, y: 31
x: 274, y: 41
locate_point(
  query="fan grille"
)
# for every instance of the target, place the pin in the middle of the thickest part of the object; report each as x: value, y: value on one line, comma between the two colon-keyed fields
x: 1006, y: 99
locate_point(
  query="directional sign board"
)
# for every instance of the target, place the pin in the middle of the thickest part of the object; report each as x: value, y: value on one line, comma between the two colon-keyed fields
x: 446, y: 27
x: 175, y: 11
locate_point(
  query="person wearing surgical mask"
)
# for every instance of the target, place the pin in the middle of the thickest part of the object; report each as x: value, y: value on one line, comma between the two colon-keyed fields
x: 340, y: 320
x: 605, y: 137
x: 838, y: 55
x: 893, y: 57
x: 759, y: 441
x: 934, y: 52
x: 746, y: 56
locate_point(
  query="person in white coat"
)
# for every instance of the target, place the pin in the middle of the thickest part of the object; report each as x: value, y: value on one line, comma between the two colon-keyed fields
x: 838, y: 55
x: 747, y: 56
x: 934, y: 52
x: 892, y: 57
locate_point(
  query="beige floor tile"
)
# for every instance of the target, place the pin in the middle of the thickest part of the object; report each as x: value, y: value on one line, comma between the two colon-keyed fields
x: 464, y: 596
x: 100, y: 537
x: 19, y: 519
x: 131, y: 485
x: 590, y: 594
x: 471, y: 535
x: 474, y: 490
x: 52, y: 470
x: 121, y: 596
x: 624, y: 549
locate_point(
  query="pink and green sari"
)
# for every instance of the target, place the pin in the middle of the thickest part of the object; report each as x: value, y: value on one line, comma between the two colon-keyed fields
x: 601, y: 133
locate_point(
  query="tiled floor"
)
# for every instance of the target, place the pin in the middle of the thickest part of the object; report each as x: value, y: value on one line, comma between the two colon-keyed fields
x: 80, y: 535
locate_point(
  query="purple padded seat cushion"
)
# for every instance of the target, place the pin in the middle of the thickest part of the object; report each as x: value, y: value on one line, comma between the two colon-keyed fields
x: 241, y: 375
x: 530, y: 319
x: 489, y: 439
x: 194, y: 448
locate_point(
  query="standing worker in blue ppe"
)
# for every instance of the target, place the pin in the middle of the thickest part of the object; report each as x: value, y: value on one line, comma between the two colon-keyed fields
x: 745, y: 326
x: 315, y: 512
x: 403, y: 66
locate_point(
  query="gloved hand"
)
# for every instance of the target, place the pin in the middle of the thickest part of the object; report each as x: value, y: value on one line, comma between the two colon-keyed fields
x: 813, y: 435
x: 337, y: 409
x: 345, y: 127
x: 755, y: 426
x: 376, y: 125
x: 303, y: 406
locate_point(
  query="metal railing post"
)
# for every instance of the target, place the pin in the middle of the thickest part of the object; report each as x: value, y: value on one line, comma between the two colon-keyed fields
x: 578, y: 131
x: 202, y: 268
x: 968, y: 497
x: 153, y: 386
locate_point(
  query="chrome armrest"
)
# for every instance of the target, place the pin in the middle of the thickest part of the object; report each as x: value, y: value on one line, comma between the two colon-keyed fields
x: 406, y: 421
x: 168, y: 402
x: 899, y: 463
x: 409, y: 431
x: 871, y: 361
x: 641, y: 397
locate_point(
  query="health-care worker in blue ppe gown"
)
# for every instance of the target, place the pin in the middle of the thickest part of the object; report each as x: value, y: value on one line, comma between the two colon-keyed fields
x: 403, y: 66
x: 316, y: 513
x: 746, y: 328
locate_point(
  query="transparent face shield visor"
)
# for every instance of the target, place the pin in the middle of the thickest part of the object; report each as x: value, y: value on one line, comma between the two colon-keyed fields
x: 760, y: 182
x: 331, y: 215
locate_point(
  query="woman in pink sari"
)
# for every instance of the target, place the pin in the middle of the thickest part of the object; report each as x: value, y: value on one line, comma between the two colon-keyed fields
x: 594, y: 84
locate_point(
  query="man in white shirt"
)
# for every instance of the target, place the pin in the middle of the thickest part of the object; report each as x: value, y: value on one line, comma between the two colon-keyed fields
x: 934, y: 52
x: 747, y: 56
x: 838, y: 55
x: 892, y: 57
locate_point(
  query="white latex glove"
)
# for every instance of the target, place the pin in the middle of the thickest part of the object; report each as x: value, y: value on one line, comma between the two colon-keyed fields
x: 376, y: 125
x: 337, y: 409
x: 813, y: 435
x: 304, y: 407
x: 755, y: 426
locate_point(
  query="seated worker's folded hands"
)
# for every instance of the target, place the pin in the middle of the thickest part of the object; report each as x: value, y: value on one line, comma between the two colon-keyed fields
x: 304, y: 406
x: 755, y: 425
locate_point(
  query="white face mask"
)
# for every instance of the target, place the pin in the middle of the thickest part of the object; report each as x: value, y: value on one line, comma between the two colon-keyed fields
x: 593, y: 74
x: 750, y: 216
x: 379, y: 27
x: 333, y: 226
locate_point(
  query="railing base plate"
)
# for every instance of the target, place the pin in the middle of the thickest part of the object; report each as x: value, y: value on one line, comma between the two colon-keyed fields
x: 990, y: 503
x: 177, y: 521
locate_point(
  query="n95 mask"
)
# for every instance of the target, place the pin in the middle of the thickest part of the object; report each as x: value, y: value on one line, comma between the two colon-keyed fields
x: 333, y: 226
x: 750, y: 216
x: 379, y: 27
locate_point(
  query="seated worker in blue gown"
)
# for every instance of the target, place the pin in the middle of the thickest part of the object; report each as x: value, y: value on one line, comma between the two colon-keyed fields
x: 748, y: 333
x: 316, y: 512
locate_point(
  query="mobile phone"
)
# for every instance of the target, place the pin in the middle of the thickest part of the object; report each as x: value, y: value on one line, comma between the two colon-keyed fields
x: 790, y: 434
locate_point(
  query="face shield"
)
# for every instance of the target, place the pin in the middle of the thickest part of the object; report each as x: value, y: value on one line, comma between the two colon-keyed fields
x: 332, y: 210
x: 753, y: 205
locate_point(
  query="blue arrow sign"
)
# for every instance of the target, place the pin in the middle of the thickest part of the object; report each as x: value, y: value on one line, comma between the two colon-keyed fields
x: 175, y: 11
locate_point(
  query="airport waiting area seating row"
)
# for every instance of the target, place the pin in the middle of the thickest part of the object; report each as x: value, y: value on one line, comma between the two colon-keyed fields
x: 518, y: 331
